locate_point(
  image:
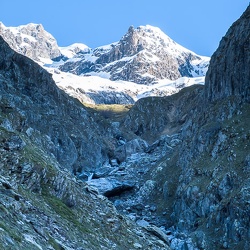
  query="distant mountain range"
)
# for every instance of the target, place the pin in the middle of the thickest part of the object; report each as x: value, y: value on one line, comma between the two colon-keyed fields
x: 145, y: 62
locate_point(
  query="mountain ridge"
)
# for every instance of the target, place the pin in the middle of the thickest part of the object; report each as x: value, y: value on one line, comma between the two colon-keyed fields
x: 132, y: 59
x: 145, y: 46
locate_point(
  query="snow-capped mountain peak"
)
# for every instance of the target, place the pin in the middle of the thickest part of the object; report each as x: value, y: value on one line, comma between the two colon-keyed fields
x: 145, y: 61
x: 156, y: 37
x: 143, y: 55
x: 31, y: 40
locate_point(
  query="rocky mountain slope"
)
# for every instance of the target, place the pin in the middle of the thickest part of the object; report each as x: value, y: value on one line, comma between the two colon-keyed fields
x: 127, y: 69
x: 231, y: 79
x: 45, y: 137
x: 30, y: 89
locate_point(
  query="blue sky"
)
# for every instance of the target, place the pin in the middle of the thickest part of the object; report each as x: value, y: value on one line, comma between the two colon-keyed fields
x: 195, y: 24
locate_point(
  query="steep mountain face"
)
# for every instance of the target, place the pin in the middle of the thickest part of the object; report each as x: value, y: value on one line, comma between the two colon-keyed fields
x: 143, y: 55
x: 43, y: 134
x: 232, y: 77
x: 31, y: 40
x: 170, y: 113
x: 26, y: 87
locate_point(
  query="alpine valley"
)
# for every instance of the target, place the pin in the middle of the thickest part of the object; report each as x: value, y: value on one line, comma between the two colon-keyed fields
x: 140, y: 144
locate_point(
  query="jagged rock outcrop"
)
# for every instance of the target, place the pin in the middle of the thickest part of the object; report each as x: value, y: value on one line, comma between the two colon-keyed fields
x: 111, y: 187
x: 31, y: 40
x: 229, y: 75
x: 143, y: 55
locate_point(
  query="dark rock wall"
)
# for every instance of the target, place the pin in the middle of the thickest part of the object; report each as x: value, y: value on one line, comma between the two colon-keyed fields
x: 229, y: 74
x: 212, y: 157
x: 152, y: 117
x: 59, y: 123
x: 204, y: 184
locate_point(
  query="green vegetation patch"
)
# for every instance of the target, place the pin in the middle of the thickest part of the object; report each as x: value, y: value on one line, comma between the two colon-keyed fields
x: 64, y: 211
x: 11, y: 232
x: 109, y: 111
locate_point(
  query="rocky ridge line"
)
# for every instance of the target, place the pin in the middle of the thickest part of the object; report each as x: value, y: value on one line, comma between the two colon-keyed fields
x: 134, y: 58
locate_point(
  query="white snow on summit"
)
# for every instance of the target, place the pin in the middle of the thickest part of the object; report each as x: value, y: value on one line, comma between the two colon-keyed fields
x: 31, y: 40
x: 156, y: 38
x: 155, y: 45
x: 74, y: 49
x: 106, y: 48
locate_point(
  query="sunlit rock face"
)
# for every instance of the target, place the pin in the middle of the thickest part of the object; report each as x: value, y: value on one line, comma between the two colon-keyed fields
x: 143, y: 55
x: 119, y: 73
x: 31, y: 40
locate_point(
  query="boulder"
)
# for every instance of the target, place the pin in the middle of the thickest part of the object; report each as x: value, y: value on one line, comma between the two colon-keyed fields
x: 126, y: 150
x: 158, y: 232
x: 111, y: 187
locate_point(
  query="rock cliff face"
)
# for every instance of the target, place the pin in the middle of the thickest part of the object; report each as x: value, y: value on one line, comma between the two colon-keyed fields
x: 143, y: 55
x: 231, y: 78
x: 170, y: 113
x: 26, y: 87
x: 213, y: 185
x: 31, y: 40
